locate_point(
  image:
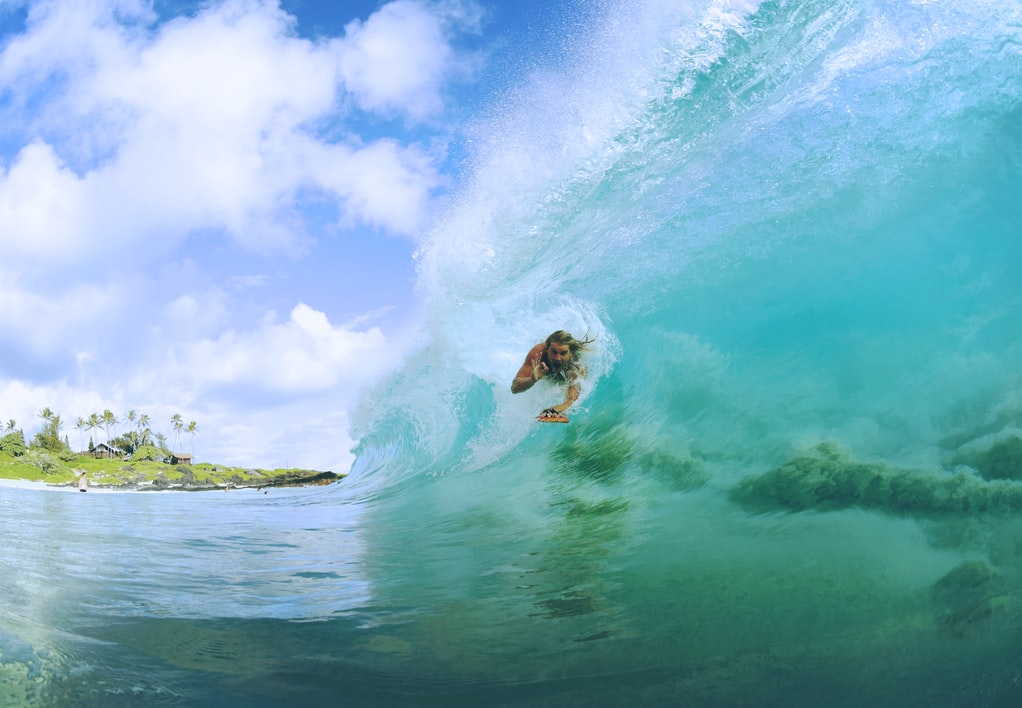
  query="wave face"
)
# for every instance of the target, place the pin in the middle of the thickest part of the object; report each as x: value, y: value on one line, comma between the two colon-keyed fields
x: 795, y: 473
x: 785, y: 223
x: 794, y: 476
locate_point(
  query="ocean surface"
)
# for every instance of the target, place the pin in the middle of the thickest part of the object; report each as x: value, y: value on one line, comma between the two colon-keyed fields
x: 795, y: 474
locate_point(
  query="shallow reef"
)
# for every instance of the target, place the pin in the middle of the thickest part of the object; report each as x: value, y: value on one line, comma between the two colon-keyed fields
x: 826, y: 477
x: 606, y: 450
x: 971, y: 593
x: 1001, y: 460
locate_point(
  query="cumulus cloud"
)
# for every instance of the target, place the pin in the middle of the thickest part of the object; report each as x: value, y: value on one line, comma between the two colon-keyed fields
x: 398, y: 60
x: 305, y: 354
x: 41, y: 205
x: 381, y: 183
x: 145, y: 133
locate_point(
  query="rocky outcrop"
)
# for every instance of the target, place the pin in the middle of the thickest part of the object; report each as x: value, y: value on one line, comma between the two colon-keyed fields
x: 295, y: 479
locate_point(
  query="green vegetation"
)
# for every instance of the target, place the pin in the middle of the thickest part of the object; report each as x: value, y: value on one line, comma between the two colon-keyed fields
x: 38, y: 465
x: 137, y: 458
x: 13, y: 444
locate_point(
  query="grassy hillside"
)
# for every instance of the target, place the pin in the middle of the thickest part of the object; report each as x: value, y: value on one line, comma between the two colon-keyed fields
x: 148, y: 474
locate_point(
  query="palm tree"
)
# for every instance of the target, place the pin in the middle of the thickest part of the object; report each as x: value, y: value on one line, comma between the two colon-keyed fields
x: 81, y: 424
x: 129, y: 440
x: 108, y: 420
x: 51, y: 423
x: 192, y: 429
x: 11, y: 424
x: 131, y: 416
x: 145, y: 434
x: 94, y: 423
x: 55, y: 425
x: 177, y: 424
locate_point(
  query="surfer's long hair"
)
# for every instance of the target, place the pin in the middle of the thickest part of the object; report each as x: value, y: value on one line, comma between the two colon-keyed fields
x: 575, y: 345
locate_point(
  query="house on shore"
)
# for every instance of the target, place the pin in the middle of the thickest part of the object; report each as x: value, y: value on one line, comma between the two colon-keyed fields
x: 180, y: 458
x: 105, y: 451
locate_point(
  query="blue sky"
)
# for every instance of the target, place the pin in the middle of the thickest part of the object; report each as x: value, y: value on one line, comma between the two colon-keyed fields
x: 210, y: 208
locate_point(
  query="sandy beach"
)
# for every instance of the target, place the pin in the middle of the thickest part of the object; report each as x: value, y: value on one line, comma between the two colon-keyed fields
x: 93, y: 489
x: 67, y: 487
x: 28, y: 484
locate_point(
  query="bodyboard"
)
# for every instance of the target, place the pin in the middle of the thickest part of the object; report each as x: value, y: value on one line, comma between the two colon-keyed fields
x: 552, y: 418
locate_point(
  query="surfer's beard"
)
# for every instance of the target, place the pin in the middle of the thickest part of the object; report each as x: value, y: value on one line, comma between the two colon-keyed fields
x: 561, y: 370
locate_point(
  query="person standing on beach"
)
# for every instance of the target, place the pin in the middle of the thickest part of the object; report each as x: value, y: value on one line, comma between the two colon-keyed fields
x: 556, y: 359
x: 83, y: 483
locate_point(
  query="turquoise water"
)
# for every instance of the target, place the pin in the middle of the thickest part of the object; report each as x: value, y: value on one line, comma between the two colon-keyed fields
x: 795, y: 475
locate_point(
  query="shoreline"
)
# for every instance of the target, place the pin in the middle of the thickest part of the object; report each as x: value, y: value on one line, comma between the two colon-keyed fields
x: 320, y: 479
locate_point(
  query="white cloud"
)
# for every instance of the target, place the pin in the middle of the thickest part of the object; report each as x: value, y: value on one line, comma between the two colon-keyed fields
x: 385, y: 184
x: 398, y: 60
x: 41, y: 205
x: 305, y: 354
x: 204, y: 124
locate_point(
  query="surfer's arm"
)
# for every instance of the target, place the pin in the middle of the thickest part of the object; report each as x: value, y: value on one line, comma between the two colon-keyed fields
x: 573, y: 391
x: 532, y: 370
x: 522, y: 383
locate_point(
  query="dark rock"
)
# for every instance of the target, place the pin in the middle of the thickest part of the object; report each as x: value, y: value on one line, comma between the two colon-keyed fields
x: 1002, y: 460
x: 297, y: 479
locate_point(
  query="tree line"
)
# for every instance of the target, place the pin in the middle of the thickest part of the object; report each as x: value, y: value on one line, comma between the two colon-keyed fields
x: 139, y: 441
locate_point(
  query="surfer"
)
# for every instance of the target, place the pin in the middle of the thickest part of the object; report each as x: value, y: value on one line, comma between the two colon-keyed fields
x: 557, y: 360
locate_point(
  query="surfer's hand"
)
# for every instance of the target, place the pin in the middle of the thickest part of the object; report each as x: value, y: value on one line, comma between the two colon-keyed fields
x: 539, y: 369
